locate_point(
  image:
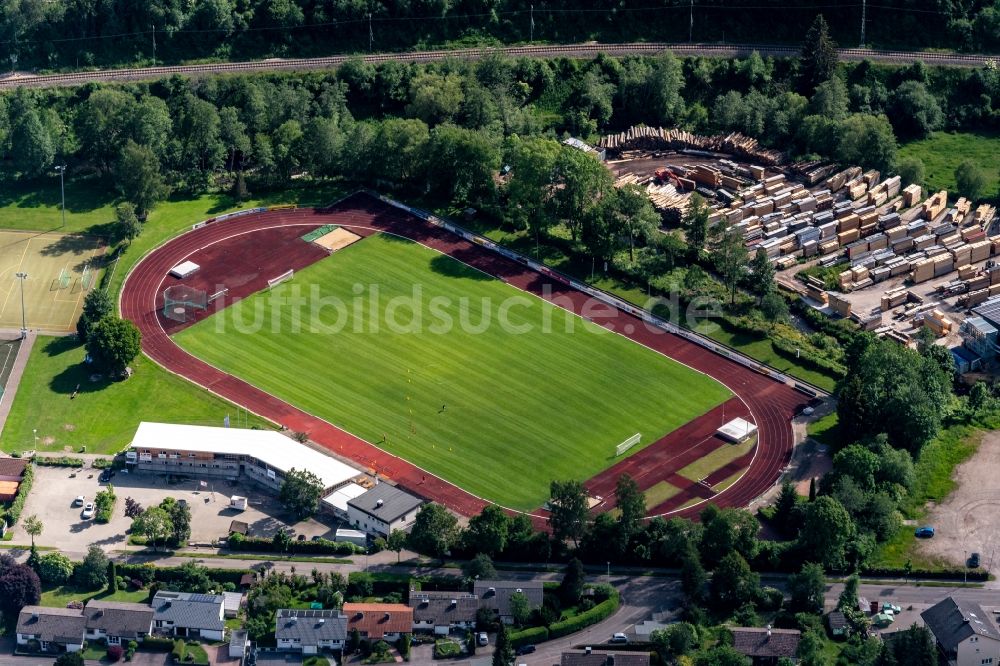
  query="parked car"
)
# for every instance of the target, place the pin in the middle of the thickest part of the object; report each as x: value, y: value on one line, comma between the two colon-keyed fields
x: 925, y: 532
x: 79, y: 501
x: 618, y: 638
x: 891, y: 609
x: 482, y: 639
x: 974, y: 561
x: 106, y: 475
x: 524, y: 649
x: 88, y: 511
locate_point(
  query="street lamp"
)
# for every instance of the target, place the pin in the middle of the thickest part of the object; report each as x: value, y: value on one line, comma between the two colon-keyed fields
x: 62, y: 188
x: 609, y: 573
x: 22, y: 276
x: 34, y: 431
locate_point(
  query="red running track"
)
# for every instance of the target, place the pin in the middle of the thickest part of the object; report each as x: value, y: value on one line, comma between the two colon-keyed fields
x: 770, y: 403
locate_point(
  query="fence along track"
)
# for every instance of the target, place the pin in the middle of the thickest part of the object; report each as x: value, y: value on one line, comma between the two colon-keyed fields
x: 567, y: 50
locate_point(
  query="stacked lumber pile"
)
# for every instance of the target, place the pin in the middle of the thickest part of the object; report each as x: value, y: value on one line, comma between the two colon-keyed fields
x: 984, y: 215
x: 666, y: 198
x: 658, y: 138
x: 814, y: 171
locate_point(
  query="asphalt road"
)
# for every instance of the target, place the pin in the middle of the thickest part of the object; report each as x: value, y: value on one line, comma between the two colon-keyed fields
x: 588, y: 50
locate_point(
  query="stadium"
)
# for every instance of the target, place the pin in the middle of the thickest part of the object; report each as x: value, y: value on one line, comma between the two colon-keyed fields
x: 287, y: 313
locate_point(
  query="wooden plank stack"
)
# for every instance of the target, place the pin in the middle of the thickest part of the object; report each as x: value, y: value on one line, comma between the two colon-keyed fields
x: 657, y: 138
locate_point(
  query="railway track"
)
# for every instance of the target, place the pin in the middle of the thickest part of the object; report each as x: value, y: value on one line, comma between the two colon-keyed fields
x: 541, y: 51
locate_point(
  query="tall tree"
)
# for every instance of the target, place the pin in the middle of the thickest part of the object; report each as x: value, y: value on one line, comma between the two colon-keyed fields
x: 396, y: 542
x: 696, y: 223
x: 480, y: 566
x: 31, y: 144
x: 138, y: 177
x: 153, y: 524
x: 693, y: 576
x: 503, y: 654
x: 819, y: 54
x: 532, y: 161
x: 971, y: 180
x: 761, y: 276
x: 827, y: 531
x: 300, y: 493
x: 784, y: 507
x: 127, y: 225
x: 571, y: 587
x: 92, y: 572
x: 733, y: 584
x: 807, y: 588
x: 631, y: 504
x: 730, y: 257
x: 434, y: 531
x: 113, y: 343
x: 487, y: 532
x: 33, y: 527
x: 567, y: 510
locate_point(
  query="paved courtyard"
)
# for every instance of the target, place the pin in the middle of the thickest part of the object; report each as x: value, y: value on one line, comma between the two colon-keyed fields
x: 55, y: 488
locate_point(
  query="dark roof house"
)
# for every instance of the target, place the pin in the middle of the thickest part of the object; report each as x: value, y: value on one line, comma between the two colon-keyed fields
x: 495, y: 594
x: 590, y: 658
x: 440, y: 609
x: 12, y: 468
x: 837, y: 622
x: 953, y: 621
x: 304, y: 628
x: 183, y: 613
x: 116, y: 618
x: 60, y: 626
x: 766, y: 646
x: 385, y: 502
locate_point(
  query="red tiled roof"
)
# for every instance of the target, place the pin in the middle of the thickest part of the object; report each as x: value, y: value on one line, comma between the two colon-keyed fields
x: 376, y: 620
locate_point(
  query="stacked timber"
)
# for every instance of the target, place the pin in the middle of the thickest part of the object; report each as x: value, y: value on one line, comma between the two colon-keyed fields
x: 935, y: 205
x: 666, y: 198
x: 658, y: 138
x: 983, y: 216
x: 911, y: 195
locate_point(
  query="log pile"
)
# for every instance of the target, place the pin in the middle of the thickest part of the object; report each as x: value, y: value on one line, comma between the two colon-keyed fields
x: 656, y: 138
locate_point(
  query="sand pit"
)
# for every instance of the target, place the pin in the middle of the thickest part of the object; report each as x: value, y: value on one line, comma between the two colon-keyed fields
x: 337, y: 239
x: 969, y: 520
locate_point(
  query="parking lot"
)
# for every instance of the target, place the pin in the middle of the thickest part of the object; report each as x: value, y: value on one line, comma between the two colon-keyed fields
x: 55, y: 488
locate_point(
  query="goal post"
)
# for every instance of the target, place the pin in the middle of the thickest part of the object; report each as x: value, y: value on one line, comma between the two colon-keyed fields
x: 628, y: 444
x: 284, y: 277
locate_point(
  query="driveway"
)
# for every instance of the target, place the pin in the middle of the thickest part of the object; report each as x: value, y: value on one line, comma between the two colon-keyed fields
x: 55, y: 488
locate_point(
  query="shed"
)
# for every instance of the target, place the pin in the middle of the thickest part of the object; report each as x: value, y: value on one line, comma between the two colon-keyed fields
x: 231, y: 602
x: 238, y: 644
x: 838, y: 623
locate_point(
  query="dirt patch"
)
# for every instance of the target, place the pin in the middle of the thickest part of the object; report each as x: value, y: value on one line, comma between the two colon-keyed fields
x: 969, y: 520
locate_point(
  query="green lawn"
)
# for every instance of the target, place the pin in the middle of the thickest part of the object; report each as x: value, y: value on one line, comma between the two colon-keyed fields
x: 943, y: 151
x: 60, y: 596
x: 103, y: 416
x: 760, y: 348
x: 512, y: 400
x: 717, y: 459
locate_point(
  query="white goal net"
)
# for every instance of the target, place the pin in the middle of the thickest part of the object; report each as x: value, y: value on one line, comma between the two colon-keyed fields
x: 627, y: 444
x: 275, y: 281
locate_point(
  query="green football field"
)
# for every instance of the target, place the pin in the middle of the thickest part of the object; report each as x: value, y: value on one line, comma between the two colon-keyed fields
x: 499, y: 412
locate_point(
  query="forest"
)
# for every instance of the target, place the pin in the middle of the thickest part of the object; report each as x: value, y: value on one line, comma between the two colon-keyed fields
x: 85, y: 33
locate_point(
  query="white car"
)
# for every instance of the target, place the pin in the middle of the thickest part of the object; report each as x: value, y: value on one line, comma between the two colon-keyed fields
x: 88, y: 511
x: 482, y: 639
x: 78, y: 501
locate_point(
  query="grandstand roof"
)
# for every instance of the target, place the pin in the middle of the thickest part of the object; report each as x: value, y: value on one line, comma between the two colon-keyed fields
x: 269, y: 447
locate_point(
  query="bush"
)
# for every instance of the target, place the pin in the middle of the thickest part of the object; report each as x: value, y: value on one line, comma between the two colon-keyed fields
x: 956, y: 573
x: 599, y: 612
x: 319, y: 547
x: 101, y: 463
x: 115, y: 653
x: 17, y: 505
x: 446, y: 649
x: 178, y: 650
x: 60, y: 461
x: 529, y: 636
x: 157, y: 644
x: 147, y: 574
x: 104, y: 505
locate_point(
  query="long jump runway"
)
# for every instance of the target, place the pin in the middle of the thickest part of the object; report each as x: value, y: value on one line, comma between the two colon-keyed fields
x: 770, y: 404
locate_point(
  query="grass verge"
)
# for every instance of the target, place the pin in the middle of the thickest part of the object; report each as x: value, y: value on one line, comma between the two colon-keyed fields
x: 104, y: 415
x: 942, y: 152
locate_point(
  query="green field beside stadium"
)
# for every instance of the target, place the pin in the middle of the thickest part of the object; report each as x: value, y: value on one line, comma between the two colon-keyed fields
x: 497, y: 412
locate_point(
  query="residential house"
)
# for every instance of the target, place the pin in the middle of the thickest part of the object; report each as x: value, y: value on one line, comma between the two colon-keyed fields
x: 766, y: 646
x: 310, y: 631
x: 11, y: 473
x: 231, y: 603
x: 239, y: 641
x: 117, y: 622
x: 496, y: 594
x: 379, y: 621
x: 189, y: 615
x: 383, y: 509
x: 965, y: 633
x: 590, y: 658
x: 443, y: 612
x: 55, y: 629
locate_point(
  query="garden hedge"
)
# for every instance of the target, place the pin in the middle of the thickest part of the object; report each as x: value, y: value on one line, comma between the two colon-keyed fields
x: 320, y: 547
x: 60, y: 461
x: 601, y: 611
x: 148, y: 573
x: 529, y: 636
x: 157, y: 644
x: 17, y: 505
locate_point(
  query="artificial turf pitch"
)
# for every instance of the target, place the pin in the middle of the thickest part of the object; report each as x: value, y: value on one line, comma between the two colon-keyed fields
x: 496, y: 412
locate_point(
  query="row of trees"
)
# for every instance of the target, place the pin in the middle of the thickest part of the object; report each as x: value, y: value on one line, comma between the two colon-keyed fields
x: 38, y: 33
